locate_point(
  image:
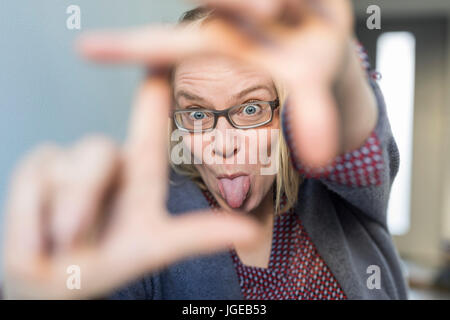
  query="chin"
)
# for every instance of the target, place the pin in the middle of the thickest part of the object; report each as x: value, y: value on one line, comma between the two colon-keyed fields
x: 249, y: 204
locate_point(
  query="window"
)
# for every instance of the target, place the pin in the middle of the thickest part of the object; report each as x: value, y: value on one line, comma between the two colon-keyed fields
x: 396, y: 63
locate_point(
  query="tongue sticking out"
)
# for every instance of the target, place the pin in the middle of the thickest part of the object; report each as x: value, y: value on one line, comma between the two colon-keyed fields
x: 234, y: 190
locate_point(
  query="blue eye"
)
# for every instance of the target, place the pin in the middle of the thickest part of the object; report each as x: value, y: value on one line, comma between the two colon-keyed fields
x: 251, y: 109
x: 197, y: 115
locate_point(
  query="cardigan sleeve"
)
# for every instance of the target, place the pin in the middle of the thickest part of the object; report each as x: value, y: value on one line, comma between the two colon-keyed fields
x: 362, y: 177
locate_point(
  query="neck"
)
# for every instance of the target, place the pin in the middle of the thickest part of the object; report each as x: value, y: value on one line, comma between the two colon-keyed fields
x: 258, y: 254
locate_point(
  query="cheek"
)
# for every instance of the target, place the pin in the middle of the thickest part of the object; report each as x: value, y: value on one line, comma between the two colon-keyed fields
x: 262, y: 185
x: 209, y: 178
x: 269, y: 135
x: 195, y: 144
x: 257, y: 143
x: 268, y: 139
x: 203, y: 173
x: 274, y: 129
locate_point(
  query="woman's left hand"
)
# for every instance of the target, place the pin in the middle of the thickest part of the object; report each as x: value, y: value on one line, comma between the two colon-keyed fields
x: 304, y: 43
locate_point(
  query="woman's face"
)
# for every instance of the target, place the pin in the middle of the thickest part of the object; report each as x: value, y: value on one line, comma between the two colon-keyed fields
x: 218, y: 83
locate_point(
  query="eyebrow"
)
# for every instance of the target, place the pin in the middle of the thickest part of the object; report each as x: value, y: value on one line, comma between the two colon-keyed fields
x: 243, y: 93
x: 188, y: 96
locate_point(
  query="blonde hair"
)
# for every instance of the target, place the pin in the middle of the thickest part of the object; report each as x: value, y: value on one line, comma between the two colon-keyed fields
x: 287, y: 179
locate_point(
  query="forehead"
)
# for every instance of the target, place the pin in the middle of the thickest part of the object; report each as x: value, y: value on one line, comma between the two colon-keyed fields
x: 219, y: 75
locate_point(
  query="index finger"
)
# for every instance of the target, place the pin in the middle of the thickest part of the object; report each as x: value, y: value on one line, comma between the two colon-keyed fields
x: 146, y: 144
x: 167, y: 45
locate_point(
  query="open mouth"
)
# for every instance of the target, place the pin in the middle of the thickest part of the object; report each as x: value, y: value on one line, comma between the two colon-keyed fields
x: 234, y: 188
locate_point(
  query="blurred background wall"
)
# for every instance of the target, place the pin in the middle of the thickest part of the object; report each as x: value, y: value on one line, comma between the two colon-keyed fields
x: 47, y: 93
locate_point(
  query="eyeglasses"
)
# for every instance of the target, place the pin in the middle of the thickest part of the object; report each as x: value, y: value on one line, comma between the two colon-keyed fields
x: 245, y: 116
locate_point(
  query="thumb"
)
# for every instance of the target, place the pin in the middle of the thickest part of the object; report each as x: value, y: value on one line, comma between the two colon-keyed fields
x: 311, y: 125
x: 206, y: 232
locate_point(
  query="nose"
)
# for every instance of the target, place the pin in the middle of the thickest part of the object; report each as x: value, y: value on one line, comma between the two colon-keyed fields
x: 227, y: 142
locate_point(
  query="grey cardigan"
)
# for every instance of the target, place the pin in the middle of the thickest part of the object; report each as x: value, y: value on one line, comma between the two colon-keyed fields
x: 348, y: 226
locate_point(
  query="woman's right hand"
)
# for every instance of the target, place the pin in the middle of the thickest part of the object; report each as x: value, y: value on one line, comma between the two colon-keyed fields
x: 102, y: 208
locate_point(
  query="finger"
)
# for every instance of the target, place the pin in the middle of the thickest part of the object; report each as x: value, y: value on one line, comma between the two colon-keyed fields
x: 312, y: 120
x: 24, y: 237
x: 206, y: 232
x: 167, y: 45
x: 254, y: 13
x: 81, y: 178
x: 156, y: 246
x: 337, y: 13
x: 309, y: 70
x: 156, y: 45
x: 262, y: 10
x: 146, y: 165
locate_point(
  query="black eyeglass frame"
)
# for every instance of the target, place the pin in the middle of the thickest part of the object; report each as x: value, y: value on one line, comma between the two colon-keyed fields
x: 226, y: 113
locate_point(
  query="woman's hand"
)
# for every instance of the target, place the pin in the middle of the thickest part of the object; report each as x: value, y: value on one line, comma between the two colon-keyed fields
x: 305, y: 43
x: 102, y: 208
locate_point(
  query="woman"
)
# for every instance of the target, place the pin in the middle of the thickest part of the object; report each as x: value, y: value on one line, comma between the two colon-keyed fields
x: 311, y: 229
